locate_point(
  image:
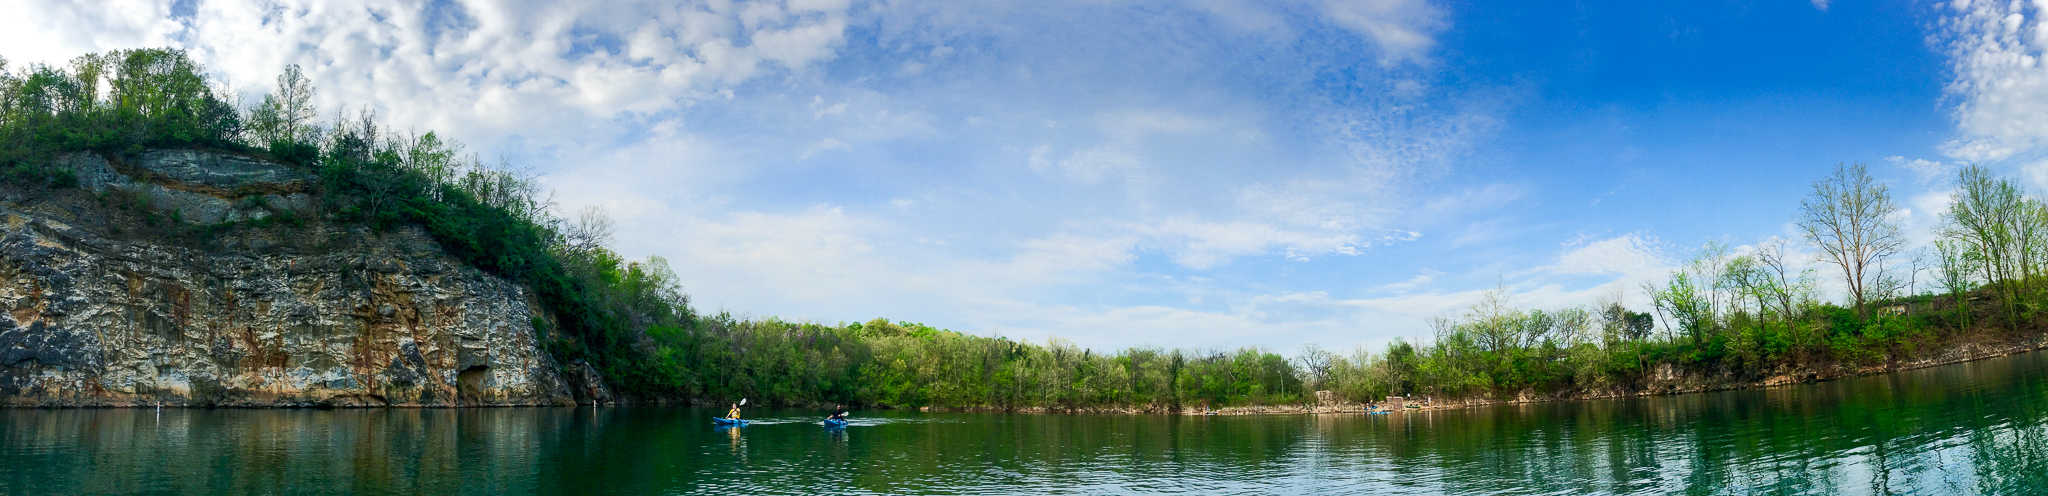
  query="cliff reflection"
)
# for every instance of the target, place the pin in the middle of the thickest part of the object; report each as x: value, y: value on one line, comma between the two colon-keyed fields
x: 1975, y: 428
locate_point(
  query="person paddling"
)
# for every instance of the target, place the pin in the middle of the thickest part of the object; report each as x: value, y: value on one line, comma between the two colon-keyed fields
x: 734, y: 413
x: 838, y: 413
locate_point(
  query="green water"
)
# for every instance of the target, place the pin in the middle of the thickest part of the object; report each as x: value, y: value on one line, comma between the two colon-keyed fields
x: 1980, y: 427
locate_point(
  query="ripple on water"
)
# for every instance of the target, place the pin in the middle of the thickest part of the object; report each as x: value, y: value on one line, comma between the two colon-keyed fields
x: 1981, y: 428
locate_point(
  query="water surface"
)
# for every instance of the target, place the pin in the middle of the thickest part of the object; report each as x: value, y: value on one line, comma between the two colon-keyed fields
x: 1979, y: 427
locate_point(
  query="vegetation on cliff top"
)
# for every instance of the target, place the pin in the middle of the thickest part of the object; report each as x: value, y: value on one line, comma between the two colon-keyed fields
x: 1733, y: 315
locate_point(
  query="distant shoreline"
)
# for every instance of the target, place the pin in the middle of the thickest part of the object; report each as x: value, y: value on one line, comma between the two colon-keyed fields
x: 1962, y: 354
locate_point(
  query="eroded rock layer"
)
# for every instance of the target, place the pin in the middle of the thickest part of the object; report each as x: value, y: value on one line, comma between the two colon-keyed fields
x: 92, y: 313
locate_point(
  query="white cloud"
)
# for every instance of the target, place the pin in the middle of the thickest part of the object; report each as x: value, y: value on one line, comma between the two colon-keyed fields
x: 816, y: 257
x: 1627, y: 254
x: 820, y: 110
x: 1822, y: 5
x: 1411, y: 284
x: 1923, y: 169
x: 1920, y: 219
x: 53, y: 33
x: 1119, y: 155
x: 1203, y: 244
x: 690, y: 124
x: 1996, y: 49
x: 1404, y: 30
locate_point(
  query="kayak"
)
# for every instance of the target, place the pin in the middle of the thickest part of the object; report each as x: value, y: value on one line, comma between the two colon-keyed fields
x: 727, y: 421
x: 834, y: 423
x: 1377, y: 412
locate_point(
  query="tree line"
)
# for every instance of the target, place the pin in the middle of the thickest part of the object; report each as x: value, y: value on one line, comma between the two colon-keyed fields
x: 1742, y: 317
x: 1725, y: 315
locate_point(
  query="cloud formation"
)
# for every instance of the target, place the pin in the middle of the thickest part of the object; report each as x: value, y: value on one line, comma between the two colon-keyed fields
x: 1996, y: 50
x: 1119, y: 173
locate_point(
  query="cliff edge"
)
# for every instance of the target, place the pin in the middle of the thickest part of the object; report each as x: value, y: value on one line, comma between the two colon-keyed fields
x: 203, y: 278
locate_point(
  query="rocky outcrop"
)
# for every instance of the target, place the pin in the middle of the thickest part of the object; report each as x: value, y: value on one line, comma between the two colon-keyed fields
x: 100, y: 307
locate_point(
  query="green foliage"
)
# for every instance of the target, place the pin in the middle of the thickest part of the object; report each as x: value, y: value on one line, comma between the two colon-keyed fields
x: 119, y: 101
x: 1725, y: 315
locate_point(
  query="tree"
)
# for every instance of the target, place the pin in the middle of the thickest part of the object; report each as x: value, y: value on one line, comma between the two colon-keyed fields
x: 1493, y: 322
x: 1955, y: 277
x: 1401, y: 369
x: 1782, y: 287
x: 1315, y: 365
x: 1686, y: 308
x: 1845, y: 218
x: 1749, y: 279
x: 592, y: 229
x: 1992, y: 218
x: 1640, y: 324
x: 1618, y: 323
x: 286, y: 115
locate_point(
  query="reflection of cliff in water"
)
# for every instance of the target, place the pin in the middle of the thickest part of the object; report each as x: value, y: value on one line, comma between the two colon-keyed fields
x: 1978, y: 427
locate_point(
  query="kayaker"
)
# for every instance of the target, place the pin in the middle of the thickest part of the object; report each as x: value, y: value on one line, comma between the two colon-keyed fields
x: 838, y: 413
x: 734, y: 413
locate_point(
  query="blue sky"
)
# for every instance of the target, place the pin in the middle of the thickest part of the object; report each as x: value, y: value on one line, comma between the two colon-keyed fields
x: 1202, y: 174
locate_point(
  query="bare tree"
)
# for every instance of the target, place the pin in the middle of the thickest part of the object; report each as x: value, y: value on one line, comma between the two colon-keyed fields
x: 1955, y: 275
x: 1783, y: 287
x: 1845, y: 218
x: 592, y: 229
x: 1918, y: 264
x: 1316, y: 366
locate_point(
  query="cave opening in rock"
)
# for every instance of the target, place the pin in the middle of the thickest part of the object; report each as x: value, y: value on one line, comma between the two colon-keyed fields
x: 469, y: 385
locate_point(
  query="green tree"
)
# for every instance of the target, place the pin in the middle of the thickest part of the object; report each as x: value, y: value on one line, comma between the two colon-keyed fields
x: 286, y: 115
x: 1991, y: 217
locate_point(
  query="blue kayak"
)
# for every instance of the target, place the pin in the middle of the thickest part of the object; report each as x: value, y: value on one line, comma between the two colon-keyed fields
x: 834, y: 423
x: 727, y: 421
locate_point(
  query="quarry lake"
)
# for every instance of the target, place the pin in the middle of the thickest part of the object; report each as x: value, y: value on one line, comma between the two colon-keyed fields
x: 1979, y: 427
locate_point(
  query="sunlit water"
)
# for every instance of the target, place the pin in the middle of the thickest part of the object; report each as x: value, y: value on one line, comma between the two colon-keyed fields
x: 1980, y: 427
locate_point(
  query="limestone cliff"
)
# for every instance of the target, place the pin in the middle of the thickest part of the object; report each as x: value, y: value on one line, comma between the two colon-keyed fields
x: 205, y: 278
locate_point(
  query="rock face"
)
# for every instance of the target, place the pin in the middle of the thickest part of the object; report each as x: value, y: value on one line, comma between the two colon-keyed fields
x: 99, y: 309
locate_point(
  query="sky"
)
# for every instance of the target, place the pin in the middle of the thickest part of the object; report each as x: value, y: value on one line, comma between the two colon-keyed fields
x: 1202, y: 174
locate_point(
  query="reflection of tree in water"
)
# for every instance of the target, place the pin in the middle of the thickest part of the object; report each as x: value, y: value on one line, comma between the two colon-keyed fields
x: 1979, y: 428
x: 1878, y: 434
x: 2010, y: 460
